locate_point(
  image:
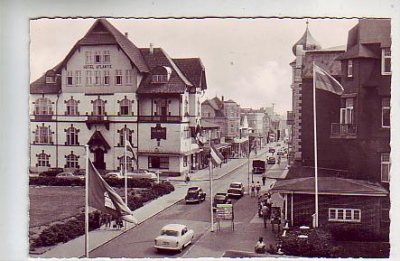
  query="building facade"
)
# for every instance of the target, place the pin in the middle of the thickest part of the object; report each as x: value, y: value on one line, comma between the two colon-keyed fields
x: 107, y: 91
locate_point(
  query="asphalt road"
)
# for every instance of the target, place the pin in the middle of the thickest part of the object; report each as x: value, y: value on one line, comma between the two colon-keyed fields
x: 138, y: 242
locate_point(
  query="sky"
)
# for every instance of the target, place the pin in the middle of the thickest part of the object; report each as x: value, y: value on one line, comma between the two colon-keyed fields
x: 246, y: 60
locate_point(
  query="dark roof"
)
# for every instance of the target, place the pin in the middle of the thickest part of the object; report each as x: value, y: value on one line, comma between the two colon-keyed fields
x: 97, y: 140
x: 307, y: 41
x: 329, y: 186
x: 177, y: 82
x: 367, y: 32
x: 194, y: 70
x: 358, y: 51
x: 41, y: 87
x: 326, y: 60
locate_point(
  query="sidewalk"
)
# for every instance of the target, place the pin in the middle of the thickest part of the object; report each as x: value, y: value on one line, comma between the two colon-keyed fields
x: 98, y: 237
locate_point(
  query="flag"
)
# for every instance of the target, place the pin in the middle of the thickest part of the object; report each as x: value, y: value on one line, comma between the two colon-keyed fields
x: 104, y: 198
x: 131, y: 149
x: 325, y: 81
x: 216, y: 156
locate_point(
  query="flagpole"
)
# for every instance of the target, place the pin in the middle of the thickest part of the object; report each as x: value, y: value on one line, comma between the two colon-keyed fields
x: 315, y: 148
x: 125, y: 170
x: 87, y: 203
x: 210, y: 177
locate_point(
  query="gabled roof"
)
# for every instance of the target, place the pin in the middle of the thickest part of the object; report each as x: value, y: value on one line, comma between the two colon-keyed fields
x: 194, y: 70
x: 177, y: 83
x: 102, y: 32
x: 329, y: 186
x: 98, y: 140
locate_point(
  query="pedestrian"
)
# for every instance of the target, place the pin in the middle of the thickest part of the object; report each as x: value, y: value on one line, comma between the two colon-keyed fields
x: 264, y: 179
x: 258, y: 188
x: 253, y: 190
x: 266, y: 214
x: 260, y: 246
x: 279, y: 160
x: 108, y: 220
x: 187, y: 178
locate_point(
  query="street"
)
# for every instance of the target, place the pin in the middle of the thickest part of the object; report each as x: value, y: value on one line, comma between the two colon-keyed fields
x: 138, y: 242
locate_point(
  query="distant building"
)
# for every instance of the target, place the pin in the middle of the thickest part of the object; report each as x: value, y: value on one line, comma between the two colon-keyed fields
x: 105, y: 91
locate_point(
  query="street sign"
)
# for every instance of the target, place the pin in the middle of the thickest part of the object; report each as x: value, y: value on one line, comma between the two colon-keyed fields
x: 224, y: 212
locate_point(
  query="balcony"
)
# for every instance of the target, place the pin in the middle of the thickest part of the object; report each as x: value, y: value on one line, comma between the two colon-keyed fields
x: 160, y: 119
x: 97, y: 119
x: 343, y: 131
x: 42, y: 117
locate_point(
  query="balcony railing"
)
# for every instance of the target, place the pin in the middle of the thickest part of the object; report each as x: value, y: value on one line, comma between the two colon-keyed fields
x: 343, y: 131
x: 43, y: 117
x: 97, y: 119
x: 161, y: 118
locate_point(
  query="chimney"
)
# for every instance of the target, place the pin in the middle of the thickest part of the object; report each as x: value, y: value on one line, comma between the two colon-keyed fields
x: 222, y: 97
x: 126, y: 34
x: 151, y: 48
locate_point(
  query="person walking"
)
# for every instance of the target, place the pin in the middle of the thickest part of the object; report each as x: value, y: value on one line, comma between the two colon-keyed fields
x: 258, y: 188
x: 253, y: 190
x: 265, y: 214
x: 264, y: 178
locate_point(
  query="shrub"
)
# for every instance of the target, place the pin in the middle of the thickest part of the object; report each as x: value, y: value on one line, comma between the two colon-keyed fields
x: 346, y: 233
x: 319, y: 243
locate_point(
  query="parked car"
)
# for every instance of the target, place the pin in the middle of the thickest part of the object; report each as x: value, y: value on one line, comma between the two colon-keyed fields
x: 174, y: 237
x: 271, y: 159
x: 142, y: 174
x: 67, y: 175
x: 195, y: 194
x: 113, y: 175
x: 236, y: 189
x: 220, y: 198
x: 271, y: 150
x: 51, y: 172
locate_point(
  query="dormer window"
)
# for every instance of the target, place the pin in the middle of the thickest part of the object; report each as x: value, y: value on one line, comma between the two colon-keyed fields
x: 161, y: 74
x: 51, y: 77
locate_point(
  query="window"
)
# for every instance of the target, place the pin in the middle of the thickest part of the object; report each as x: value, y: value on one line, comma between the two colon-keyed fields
x: 50, y: 79
x: 125, y: 133
x: 106, y: 77
x: 88, y: 55
x: 159, y: 78
x: 72, y: 107
x: 78, y: 77
x: 125, y: 107
x: 344, y: 215
x: 347, y: 113
x: 350, y: 68
x: 99, y: 107
x: 158, y: 162
x: 69, y: 77
x: 97, y: 57
x: 89, y: 80
x: 43, y: 160
x: 43, y: 106
x: 185, y: 161
x: 161, y: 107
x: 118, y: 77
x: 385, y: 167
x: 43, y: 135
x: 97, y: 77
x: 128, y: 76
x: 386, y: 61
x: 106, y: 57
x: 128, y: 162
x: 386, y: 113
x: 72, y: 161
x: 72, y: 136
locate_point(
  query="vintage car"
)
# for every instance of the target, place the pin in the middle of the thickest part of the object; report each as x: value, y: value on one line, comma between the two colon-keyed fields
x: 68, y: 175
x: 271, y: 159
x: 236, y: 189
x: 220, y: 198
x: 258, y: 166
x: 174, y: 237
x: 195, y: 194
x: 51, y: 172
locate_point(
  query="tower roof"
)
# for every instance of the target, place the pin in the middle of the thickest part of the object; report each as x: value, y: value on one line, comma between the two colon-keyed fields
x: 307, y: 41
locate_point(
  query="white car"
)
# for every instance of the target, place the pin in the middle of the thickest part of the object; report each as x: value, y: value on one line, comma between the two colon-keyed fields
x: 142, y: 174
x: 174, y: 237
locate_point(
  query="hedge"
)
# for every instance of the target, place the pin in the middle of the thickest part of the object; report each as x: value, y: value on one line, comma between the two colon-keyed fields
x: 75, y: 227
x: 119, y: 183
